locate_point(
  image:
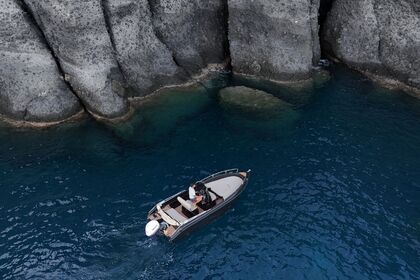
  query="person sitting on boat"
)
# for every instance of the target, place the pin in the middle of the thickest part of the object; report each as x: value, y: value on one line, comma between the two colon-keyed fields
x: 193, y: 195
x: 199, y: 193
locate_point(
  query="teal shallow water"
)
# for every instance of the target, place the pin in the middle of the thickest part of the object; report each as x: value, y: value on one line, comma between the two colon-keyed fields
x: 335, y: 189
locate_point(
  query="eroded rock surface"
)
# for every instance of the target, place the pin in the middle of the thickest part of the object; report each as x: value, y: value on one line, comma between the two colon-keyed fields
x: 146, y: 62
x: 31, y: 86
x: 77, y: 33
x: 54, y: 54
x: 274, y: 39
x: 194, y: 30
x: 377, y: 37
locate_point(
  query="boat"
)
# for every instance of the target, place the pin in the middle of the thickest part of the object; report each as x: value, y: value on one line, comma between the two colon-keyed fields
x: 176, y: 216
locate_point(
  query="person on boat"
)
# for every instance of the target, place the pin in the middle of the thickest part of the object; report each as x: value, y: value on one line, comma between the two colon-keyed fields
x: 193, y: 195
x: 198, y: 193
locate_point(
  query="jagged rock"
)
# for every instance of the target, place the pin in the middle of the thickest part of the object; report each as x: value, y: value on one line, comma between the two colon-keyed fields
x: 252, y: 100
x: 274, y: 39
x: 194, y: 30
x: 376, y: 37
x: 145, y: 61
x: 77, y: 32
x: 31, y: 86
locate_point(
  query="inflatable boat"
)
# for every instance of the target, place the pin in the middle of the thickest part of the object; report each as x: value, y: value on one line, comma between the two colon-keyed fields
x: 178, y: 215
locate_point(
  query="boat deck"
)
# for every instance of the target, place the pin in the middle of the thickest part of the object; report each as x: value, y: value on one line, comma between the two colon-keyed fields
x: 180, y: 214
x: 175, y: 214
x: 185, y: 213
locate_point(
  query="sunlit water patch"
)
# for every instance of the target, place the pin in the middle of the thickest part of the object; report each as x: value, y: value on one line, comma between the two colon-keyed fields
x: 334, y: 191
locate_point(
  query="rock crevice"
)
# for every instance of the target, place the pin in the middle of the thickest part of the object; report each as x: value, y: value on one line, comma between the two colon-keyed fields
x: 145, y: 61
x: 76, y: 31
x: 44, y: 40
x: 226, y: 46
x: 32, y: 88
x: 107, y: 14
x: 192, y: 30
x: 159, y: 36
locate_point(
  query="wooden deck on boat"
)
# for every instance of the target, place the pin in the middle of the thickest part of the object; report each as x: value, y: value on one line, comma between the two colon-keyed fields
x: 169, y: 231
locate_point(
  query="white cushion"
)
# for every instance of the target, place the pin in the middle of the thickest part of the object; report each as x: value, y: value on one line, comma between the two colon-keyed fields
x: 187, y: 204
x: 175, y: 215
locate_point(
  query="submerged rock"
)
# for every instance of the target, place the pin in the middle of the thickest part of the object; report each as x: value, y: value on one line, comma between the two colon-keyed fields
x: 296, y: 93
x: 77, y: 33
x: 274, y: 39
x: 252, y: 100
x: 31, y: 86
x: 376, y: 37
x: 254, y: 111
x: 160, y: 113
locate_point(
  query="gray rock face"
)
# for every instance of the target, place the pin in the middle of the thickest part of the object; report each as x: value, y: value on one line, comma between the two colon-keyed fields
x: 192, y: 29
x: 31, y: 86
x: 378, y: 37
x: 104, y: 46
x: 146, y: 63
x: 274, y: 39
x: 76, y: 31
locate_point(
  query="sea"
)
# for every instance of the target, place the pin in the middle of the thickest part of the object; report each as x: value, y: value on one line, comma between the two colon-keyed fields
x: 334, y: 191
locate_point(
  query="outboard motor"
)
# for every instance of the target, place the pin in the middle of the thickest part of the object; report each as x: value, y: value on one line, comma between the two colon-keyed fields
x: 152, y: 228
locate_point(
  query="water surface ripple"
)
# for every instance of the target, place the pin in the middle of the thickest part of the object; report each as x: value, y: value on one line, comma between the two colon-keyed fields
x: 334, y: 194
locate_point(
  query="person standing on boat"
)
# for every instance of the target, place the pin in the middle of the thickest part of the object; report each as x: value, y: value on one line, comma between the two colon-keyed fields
x: 194, y: 197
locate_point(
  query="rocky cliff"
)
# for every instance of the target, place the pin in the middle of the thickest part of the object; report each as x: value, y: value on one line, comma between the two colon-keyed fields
x: 192, y: 29
x: 378, y: 37
x: 274, y: 39
x: 77, y: 33
x: 146, y: 62
x: 31, y: 84
x: 60, y: 57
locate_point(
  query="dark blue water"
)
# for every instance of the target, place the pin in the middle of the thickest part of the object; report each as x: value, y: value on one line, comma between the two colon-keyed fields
x: 334, y: 194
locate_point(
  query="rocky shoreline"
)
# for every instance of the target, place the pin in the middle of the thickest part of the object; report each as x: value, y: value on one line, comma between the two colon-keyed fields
x: 378, y: 38
x: 135, y: 103
x: 60, y: 59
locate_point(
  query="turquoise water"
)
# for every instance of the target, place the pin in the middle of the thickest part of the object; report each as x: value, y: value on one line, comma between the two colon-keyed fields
x: 334, y: 194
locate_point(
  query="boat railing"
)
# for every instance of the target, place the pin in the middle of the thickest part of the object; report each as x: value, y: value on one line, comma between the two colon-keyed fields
x: 233, y: 170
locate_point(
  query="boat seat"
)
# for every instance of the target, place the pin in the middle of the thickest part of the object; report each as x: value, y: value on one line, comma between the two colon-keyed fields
x: 212, y: 196
x: 187, y: 204
x: 225, y: 187
x: 175, y: 215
